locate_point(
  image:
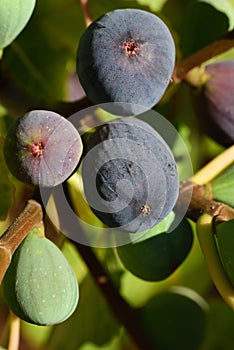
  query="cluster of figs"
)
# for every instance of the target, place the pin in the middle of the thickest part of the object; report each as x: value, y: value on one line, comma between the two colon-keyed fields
x: 129, y: 172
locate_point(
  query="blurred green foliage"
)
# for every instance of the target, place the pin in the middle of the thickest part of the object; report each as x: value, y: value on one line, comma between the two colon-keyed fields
x: 42, y: 61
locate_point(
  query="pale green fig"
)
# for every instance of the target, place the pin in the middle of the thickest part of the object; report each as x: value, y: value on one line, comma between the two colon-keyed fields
x: 40, y: 286
x: 14, y: 15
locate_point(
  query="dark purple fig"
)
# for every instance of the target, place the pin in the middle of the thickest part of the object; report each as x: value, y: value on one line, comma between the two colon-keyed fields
x: 216, y: 103
x: 130, y: 175
x: 42, y: 148
x: 126, y: 56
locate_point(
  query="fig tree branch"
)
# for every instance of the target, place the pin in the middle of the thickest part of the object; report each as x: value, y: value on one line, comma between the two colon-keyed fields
x: 85, y: 8
x: 29, y: 218
x: 217, y: 47
x: 124, y: 313
x: 18, y: 100
x: 200, y: 204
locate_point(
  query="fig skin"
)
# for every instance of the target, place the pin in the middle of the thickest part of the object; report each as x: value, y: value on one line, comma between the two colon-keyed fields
x: 42, y: 148
x: 40, y: 286
x: 126, y: 56
x: 216, y: 103
x: 130, y: 175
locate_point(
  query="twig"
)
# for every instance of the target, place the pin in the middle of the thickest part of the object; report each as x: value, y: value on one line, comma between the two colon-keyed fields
x: 124, y: 313
x: 14, y: 337
x: 85, y: 8
x: 29, y: 218
x: 200, y: 204
x: 197, y: 58
x: 214, y: 167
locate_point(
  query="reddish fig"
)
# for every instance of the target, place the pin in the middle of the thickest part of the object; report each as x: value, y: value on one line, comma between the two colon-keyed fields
x: 216, y: 106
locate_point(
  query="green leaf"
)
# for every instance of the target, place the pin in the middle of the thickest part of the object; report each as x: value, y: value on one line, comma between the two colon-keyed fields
x: 225, y: 242
x: 44, y: 54
x: 175, y: 319
x: 157, y: 257
x: 223, y: 186
x: 225, y: 6
x: 219, y: 333
x: 13, y: 18
x: 92, y: 321
x: 202, y: 23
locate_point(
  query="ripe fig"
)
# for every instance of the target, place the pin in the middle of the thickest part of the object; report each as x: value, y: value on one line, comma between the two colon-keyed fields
x: 129, y: 174
x: 42, y: 148
x: 216, y: 103
x: 40, y: 286
x: 126, y: 56
x: 14, y: 15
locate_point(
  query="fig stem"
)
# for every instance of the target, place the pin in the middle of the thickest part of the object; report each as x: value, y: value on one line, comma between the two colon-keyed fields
x: 200, y: 204
x: 214, y: 167
x: 85, y: 9
x: 28, y: 219
x: 14, y: 337
x: 217, y: 47
x: 209, y: 249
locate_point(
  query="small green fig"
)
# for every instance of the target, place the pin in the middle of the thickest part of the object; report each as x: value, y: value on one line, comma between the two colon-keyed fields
x: 40, y: 286
x: 14, y: 15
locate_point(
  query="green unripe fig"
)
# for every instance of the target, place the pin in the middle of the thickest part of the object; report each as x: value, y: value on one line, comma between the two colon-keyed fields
x: 40, y: 286
x: 14, y: 15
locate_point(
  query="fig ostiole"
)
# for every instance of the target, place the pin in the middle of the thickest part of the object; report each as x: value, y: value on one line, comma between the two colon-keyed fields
x: 126, y: 56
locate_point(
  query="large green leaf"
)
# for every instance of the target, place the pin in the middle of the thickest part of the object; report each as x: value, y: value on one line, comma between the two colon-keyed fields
x: 223, y: 186
x: 225, y: 6
x: 175, y: 319
x: 219, y: 333
x: 157, y: 257
x: 201, y: 24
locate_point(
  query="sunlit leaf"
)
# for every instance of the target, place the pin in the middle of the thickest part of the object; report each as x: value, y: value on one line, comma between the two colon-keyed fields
x: 223, y: 186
